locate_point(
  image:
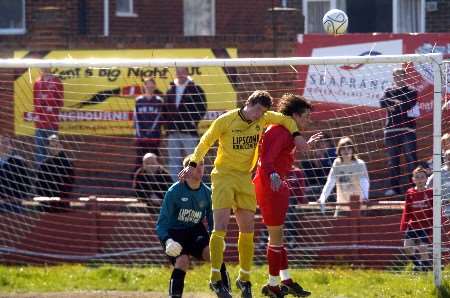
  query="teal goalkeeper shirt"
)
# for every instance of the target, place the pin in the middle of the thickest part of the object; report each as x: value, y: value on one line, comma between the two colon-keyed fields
x: 183, y: 208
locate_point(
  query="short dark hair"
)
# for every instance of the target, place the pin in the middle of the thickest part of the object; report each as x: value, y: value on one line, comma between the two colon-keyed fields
x: 260, y: 97
x: 291, y: 103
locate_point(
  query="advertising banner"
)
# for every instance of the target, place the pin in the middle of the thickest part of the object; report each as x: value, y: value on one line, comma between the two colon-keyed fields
x: 361, y: 86
x: 100, y: 101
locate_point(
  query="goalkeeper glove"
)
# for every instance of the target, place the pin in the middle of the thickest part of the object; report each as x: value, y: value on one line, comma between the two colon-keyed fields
x: 275, y: 181
x: 173, y: 248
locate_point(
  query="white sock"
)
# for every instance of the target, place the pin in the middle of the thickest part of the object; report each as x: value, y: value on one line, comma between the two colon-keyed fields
x: 273, y: 280
x: 284, y: 274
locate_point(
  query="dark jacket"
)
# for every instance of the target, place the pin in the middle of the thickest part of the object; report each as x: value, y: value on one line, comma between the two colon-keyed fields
x: 54, y: 177
x: 190, y: 111
x: 146, y: 184
x: 398, y: 118
x: 15, y: 180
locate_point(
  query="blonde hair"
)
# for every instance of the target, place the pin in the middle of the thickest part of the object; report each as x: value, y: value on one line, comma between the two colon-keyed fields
x: 346, y: 142
x: 445, y: 137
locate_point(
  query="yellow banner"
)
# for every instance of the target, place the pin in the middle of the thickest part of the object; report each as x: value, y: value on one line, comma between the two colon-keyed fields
x: 101, y: 101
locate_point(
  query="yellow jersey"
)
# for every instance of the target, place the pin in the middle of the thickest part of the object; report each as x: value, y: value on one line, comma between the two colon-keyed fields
x: 238, y: 139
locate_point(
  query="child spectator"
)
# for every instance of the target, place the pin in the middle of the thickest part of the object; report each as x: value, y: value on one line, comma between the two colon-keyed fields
x: 151, y: 181
x: 147, y: 120
x: 54, y: 177
x: 417, y: 220
x: 349, y: 174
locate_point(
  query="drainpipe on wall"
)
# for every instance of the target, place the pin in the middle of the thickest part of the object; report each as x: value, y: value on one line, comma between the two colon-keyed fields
x: 105, y: 17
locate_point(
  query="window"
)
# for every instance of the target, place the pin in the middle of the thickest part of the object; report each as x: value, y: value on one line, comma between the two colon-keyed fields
x: 125, y: 8
x: 408, y: 16
x: 313, y: 10
x: 12, y: 17
x: 199, y: 17
x: 369, y: 16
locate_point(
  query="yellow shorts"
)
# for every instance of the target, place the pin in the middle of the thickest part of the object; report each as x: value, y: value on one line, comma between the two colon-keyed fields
x: 232, y: 189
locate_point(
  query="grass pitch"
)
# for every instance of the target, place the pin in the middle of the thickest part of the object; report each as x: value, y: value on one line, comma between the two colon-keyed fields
x: 152, y: 281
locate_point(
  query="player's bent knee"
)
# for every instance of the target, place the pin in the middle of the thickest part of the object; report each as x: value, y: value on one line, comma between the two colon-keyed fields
x: 182, y: 262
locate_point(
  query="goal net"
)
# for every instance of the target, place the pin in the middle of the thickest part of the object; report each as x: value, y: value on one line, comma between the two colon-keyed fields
x: 74, y: 187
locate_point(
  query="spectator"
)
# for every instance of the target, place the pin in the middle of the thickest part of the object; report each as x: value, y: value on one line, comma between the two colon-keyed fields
x: 15, y: 180
x: 54, y: 177
x: 445, y: 145
x: 445, y: 142
x: 48, y: 95
x: 185, y: 107
x: 151, y: 182
x: 147, y: 120
x: 330, y: 149
x: 445, y: 184
x: 417, y: 220
x: 349, y: 174
x: 402, y: 109
x: 316, y: 168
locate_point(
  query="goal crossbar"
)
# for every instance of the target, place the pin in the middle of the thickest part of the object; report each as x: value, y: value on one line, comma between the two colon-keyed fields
x: 232, y: 62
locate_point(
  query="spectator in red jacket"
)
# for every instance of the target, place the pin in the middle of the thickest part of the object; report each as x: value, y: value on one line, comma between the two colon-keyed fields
x: 48, y: 99
x: 417, y: 220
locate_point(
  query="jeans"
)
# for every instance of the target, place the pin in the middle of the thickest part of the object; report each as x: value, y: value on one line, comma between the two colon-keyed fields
x: 41, y: 142
x: 397, y: 142
x: 180, y: 145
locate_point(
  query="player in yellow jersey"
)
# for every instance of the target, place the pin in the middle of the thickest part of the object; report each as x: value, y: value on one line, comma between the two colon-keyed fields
x: 238, y: 132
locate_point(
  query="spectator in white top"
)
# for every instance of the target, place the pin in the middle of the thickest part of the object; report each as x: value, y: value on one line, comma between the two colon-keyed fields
x: 445, y: 184
x: 349, y: 175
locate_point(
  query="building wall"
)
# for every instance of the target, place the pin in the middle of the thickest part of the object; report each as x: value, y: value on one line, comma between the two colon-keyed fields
x: 439, y: 20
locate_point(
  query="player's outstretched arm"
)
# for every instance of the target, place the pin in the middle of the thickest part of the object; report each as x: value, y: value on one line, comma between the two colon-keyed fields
x: 207, y: 140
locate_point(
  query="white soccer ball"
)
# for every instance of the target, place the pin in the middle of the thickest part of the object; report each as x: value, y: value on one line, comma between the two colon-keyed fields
x: 335, y: 21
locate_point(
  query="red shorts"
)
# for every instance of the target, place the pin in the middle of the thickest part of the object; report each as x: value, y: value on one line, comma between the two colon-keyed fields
x: 273, y: 205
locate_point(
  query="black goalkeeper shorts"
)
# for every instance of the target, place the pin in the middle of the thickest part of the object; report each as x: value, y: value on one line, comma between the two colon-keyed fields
x: 193, y: 240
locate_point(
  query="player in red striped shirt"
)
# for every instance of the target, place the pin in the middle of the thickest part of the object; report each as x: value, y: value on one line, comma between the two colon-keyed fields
x: 272, y: 193
x: 417, y: 220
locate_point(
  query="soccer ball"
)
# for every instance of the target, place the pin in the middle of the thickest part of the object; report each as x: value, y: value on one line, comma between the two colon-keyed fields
x: 335, y: 21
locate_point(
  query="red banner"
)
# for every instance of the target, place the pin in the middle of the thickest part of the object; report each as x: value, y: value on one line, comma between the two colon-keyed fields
x: 357, y: 88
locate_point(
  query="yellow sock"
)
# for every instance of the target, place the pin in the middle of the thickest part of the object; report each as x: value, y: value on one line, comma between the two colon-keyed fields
x: 216, y: 253
x: 245, y: 247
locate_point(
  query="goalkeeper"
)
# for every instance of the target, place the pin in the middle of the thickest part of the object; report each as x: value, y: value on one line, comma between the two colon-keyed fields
x: 272, y: 192
x: 180, y: 227
x: 238, y: 132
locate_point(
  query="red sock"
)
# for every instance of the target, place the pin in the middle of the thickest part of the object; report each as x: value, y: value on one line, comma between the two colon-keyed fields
x: 284, y: 259
x: 274, y: 256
